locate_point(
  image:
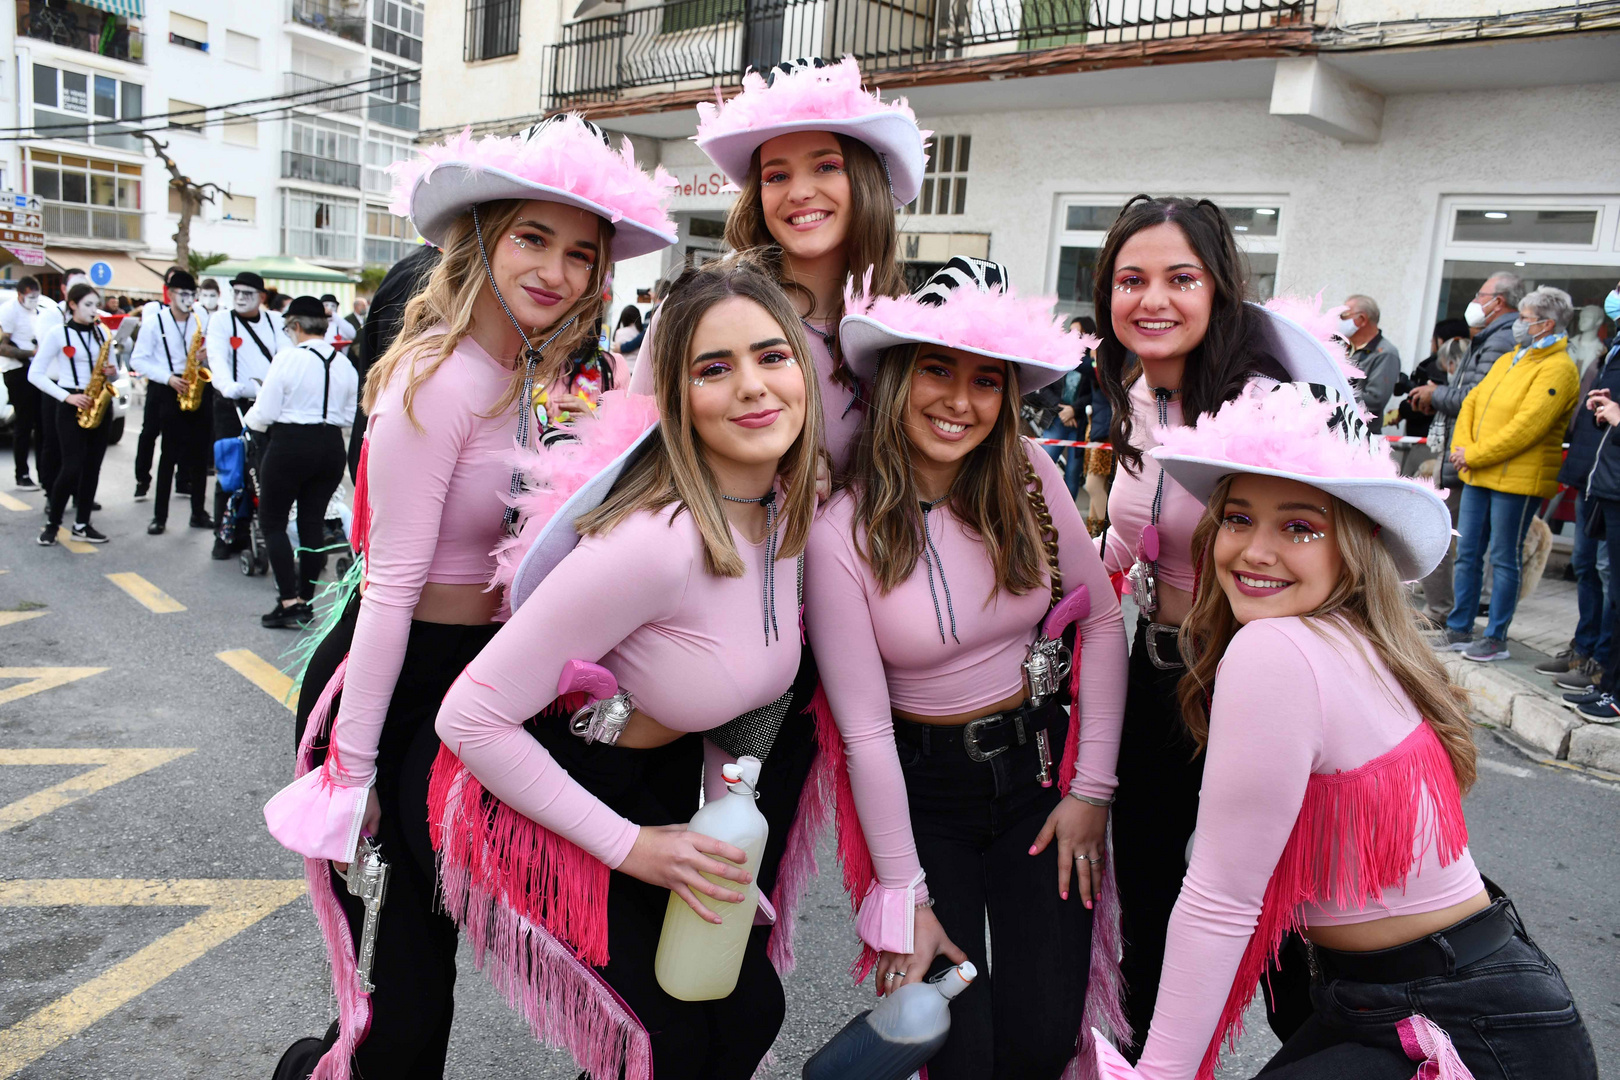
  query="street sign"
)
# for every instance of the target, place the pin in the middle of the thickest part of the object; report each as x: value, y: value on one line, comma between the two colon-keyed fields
x: 100, y: 274
x: 22, y: 227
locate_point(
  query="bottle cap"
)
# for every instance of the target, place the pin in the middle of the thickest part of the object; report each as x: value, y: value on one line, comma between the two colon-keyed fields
x: 957, y: 979
x: 742, y: 776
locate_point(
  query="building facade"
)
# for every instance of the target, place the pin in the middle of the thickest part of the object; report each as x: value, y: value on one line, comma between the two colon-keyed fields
x: 1397, y: 148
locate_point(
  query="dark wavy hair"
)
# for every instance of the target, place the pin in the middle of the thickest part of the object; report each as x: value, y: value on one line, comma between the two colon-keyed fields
x: 1235, y: 347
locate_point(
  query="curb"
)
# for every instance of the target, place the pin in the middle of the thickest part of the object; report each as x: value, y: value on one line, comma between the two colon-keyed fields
x: 1539, y: 723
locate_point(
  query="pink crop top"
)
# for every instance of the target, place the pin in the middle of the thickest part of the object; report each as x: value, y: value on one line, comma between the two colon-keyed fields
x: 879, y: 651
x: 435, y: 516
x: 1130, y: 500
x: 1289, y: 701
x: 688, y: 645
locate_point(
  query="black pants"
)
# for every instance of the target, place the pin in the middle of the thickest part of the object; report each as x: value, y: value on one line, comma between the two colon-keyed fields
x: 184, y: 436
x: 357, y: 437
x: 1609, y: 510
x: 26, y: 433
x: 974, y: 823
x: 415, y: 965
x: 80, y: 471
x: 303, y: 464
x: 50, y: 448
x: 151, y: 428
x: 1510, y: 1016
x: 227, y: 425
x: 691, y: 1040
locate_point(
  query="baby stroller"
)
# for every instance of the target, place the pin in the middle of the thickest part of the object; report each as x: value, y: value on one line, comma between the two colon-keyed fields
x: 238, y: 474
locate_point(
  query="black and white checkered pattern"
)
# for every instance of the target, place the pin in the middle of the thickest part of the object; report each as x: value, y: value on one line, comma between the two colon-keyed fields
x: 962, y: 270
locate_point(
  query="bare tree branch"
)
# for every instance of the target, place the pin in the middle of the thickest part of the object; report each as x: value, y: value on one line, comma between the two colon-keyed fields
x: 192, y: 196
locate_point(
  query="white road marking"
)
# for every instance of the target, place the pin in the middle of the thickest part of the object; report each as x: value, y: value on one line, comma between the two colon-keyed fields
x: 1504, y: 768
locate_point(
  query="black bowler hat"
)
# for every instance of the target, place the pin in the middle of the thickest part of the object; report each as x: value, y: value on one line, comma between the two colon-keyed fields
x: 328, y: 298
x: 306, y: 306
x: 251, y: 280
x: 180, y: 279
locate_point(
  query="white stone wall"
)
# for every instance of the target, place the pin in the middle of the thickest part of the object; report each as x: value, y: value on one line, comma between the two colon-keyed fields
x: 455, y: 92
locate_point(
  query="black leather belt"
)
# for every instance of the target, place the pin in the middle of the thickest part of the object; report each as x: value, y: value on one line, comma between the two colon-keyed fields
x: 984, y: 738
x: 1442, y: 953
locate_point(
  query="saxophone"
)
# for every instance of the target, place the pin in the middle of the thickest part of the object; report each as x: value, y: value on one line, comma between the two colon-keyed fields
x: 99, y: 392
x: 195, y: 374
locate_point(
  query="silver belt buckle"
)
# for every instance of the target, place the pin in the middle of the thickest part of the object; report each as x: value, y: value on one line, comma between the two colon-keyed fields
x: 1151, y: 638
x: 970, y: 738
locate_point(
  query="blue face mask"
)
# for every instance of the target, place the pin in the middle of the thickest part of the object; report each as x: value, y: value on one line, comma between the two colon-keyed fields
x: 1611, y: 305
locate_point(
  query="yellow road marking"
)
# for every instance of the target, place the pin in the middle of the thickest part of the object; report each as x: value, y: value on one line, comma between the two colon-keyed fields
x: 115, y: 766
x: 41, y: 678
x: 147, y: 594
x: 7, y: 618
x: 261, y: 673
x: 11, y: 502
x: 230, y: 908
x: 78, y: 547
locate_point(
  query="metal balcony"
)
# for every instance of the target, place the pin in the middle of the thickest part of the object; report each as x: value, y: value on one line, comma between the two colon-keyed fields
x: 76, y: 26
x: 332, y: 18
x: 296, y: 166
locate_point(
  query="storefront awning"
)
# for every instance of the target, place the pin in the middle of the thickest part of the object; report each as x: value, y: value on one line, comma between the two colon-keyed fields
x: 130, y: 9
x: 130, y: 277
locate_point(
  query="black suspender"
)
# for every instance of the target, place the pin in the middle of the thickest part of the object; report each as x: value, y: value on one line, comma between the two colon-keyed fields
x: 252, y: 334
x: 326, y: 385
x: 167, y: 355
x: 89, y: 347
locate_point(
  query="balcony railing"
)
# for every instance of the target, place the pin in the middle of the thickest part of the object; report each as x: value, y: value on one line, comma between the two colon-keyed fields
x: 80, y: 222
x: 295, y: 166
x: 293, y: 82
x: 690, y: 44
x: 78, y: 27
x: 331, y: 18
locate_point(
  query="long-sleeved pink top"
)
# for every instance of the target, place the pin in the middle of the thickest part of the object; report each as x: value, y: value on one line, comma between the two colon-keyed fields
x: 841, y: 413
x: 685, y: 643
x: 1131, y: 499
x: 881, y: 651
x: 1293, y: 698
x: 436, y: 514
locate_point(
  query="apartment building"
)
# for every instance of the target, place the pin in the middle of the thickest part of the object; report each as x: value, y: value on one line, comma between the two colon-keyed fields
x: 1399, y: 148
x: 292, y: 107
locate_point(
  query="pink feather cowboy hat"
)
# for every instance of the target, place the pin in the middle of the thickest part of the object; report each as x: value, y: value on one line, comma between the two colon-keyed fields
x: 565, y: 159
x: 812, y: 95
x: 1311, y: 433
x: 967, y: 305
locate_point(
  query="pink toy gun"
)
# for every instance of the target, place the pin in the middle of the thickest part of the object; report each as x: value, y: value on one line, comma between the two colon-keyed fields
x: 608, y: 708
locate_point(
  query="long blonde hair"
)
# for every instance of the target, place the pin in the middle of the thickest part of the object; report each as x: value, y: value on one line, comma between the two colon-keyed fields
x: 672, y: 469
x: 990, y: 495
x: 1368, y: 599
x: 449, y: 297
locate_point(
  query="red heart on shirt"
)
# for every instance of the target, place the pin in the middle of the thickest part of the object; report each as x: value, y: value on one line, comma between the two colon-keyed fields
x: 236, y: 343
x: 68, y: 351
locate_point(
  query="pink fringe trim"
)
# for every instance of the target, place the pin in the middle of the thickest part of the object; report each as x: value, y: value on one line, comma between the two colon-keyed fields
x: 362, y: 502
x: 1353, y: 839
x: 1427, y: 1043
x: 354, y: 1005
x: 798, y: 864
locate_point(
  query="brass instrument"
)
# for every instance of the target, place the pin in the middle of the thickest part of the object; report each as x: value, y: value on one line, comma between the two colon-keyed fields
x: 195, y: 374
x: 99, y: 391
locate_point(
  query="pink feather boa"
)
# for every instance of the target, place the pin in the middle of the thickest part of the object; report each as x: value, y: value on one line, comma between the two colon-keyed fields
x: 566, y: 156
x: 826, y: 93
x: 997, y: 322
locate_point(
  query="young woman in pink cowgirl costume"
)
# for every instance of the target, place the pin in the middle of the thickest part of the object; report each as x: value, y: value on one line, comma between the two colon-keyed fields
x: 940, y: 582
x: 528, y: 226
x: 560, y: 844
x: 1338, y: 754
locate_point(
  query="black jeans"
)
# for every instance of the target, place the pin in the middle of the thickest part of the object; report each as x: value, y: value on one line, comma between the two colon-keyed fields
x: 974, y: 823
x: 1509, y: 1015
x: 184, y: 434
x: 303, y: 464
x: 1610, y: 683
x: 79, y: 469
x: 151, y: 428
x: 691, y: 1040
x: 415, y: 965
x: 50, y: 449
x: 26, y: 433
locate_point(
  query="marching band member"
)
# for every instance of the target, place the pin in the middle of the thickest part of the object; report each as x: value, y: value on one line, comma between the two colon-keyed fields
x: 1338, y: 751
x: 62, y: 370
x: 152, y: 411
x: 528, y: 226
x: 241, y: 345
x: 306, y: 401
x: 337, y: 327
x: 929, y: 580
x: 160, y: 355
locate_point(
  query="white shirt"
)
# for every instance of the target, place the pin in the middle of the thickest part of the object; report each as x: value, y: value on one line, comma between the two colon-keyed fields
x: 339, y: 327
x: 300, y: 379
x: 17, y: 323
x: 160, y: 351
x: 54, y: 371
x: 50, y: 314
x: 237, y: 371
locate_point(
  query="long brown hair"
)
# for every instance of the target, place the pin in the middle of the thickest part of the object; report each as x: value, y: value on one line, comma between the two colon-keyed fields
x: 990, y: 495
x: 448, y: 298
x: 672, y: 469
x: 1234, y: 348
x: 872, y: 240
x: 1368, y: 599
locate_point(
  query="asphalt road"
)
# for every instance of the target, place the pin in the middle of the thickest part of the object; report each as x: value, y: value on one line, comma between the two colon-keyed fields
x: 150, y: 927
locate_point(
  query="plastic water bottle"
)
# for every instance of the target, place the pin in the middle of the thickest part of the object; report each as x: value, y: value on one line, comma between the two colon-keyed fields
x: 894, y: 1040
x: 698, y: 960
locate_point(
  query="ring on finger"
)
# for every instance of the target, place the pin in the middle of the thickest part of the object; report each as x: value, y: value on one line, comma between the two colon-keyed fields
x: 891, y: 975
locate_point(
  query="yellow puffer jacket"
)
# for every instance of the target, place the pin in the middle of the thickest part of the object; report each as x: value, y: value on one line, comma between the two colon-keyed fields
x: 1512, y: 424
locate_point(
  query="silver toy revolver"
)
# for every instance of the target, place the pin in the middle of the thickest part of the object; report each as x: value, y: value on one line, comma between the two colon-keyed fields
x: 368, y: 880
x: 604, y: 718
x: 1049, y: 661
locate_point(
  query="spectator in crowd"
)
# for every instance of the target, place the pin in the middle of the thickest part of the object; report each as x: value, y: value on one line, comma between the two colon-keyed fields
x: 1374, y: 354
x: 17, y: 345
x: 1507, y: 446
x: 630, y: 328
x: 1429, y: 370
x: 1099, y: 459
x: 359, y: 309
x: 337, y: 327
x: 1579, y: 667
x: 1065, y: 424
x: 1601, y: 492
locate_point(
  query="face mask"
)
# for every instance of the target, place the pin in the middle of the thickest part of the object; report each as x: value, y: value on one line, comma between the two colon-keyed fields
x: 244, y: 300
x: 182, y: 300
x: 1521, y: 332
x: 210, y: 300
x: 30, y: 303
x: 1347, y: 327
x: 1611, y: 305
x: 1475, y: 315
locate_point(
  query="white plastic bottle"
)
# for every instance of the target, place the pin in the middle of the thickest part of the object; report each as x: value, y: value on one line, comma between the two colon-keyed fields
x: 698, y: 960
x: 898, y: 1037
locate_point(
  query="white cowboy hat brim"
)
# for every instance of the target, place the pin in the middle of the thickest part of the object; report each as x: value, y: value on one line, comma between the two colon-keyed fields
x: 1303, y: 355
x: 447, y: 190
x: 862, y: 339
x: 1415, y: 524
x: 894, y: 137
x: 558, y: 536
